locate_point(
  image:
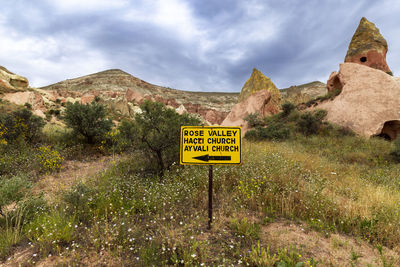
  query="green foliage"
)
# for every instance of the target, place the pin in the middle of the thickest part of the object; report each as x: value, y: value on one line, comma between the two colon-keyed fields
x: 253, y: 119
x: 395, y: 152
x: 245, y: 229
x: 78, y: 201
x: 13, y: 189
x: 22, y: 126
x: 158, y: 133
x: 287, y: 108
x: 274, y: 131
x: 127, y: 134
x: 88, y: 120
x: 50, y: 160
x: 258, y: 256
x: 15, y: 159
x: 50, y: 230
x: 310, y: 123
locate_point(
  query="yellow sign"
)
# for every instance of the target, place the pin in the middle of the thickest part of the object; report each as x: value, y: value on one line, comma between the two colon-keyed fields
x: 211, y: 145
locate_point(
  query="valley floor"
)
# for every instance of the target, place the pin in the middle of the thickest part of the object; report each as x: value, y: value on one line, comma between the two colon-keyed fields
x: 316, y: 201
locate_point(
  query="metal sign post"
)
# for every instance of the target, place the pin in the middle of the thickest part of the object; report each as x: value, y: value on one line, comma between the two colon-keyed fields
x: 210, y: 187
x: 210, y: 145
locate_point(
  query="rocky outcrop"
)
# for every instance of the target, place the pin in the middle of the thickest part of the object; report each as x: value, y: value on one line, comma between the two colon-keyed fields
x: 255, y: 103
x: 303, y: 93
x: 258, y: 82
x: 368, y: 47
x: 369, y: 103
x: 10, y: 82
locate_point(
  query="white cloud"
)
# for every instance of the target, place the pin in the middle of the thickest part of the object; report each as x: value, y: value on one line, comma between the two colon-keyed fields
x: 174, y: 16
x: 78, y: 6
x: 48, y: 59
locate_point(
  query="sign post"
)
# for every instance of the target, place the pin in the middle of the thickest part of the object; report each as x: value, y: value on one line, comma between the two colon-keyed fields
x: 210, y: 145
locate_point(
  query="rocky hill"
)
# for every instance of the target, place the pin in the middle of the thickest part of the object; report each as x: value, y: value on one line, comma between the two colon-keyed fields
x: 298, y: 94
x: 122, y: 93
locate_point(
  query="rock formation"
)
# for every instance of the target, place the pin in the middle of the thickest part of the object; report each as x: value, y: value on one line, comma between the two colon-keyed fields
x: 303, y: 93
x: 258, y: 82
x: 255, y: 103
x: 368, y: 47
x: 259, y: 95
x: 369, y: 103
x: 10, y: 82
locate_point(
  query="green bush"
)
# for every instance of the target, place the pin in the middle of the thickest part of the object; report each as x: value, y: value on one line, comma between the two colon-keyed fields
x: 275, y: 131
x: 310, y: 123
x: 127, y: 135
x: 22, y: 125
x: 287, y: 108
x: 253, y: 120
x: 158, y: 133
x: 88, y: 120
x: 395, y: 153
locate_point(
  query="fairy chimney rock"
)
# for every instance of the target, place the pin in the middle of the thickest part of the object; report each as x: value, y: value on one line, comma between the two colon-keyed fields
x: 258, y: 82
x: 368, y: 47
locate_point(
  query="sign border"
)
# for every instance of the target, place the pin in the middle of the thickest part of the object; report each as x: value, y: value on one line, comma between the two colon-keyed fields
x: 208, y: 127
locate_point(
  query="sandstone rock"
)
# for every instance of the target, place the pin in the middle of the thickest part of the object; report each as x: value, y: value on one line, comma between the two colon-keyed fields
x: 255, y: 103
x: 87, y: 99
x: 369, y: 103
x: 258, y: 82
x: 181, y: 110
x: 11, y: 82
x: 39, y: 113
x: 334, y: 83
x: 368, y: 47
x: 20, y: 98
x: 133, y: 96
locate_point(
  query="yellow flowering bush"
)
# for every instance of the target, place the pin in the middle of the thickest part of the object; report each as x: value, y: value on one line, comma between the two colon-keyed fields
x: 50, y: 160
x: 3, y: 131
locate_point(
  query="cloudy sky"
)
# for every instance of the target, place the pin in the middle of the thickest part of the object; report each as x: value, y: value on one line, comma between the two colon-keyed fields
x: 197, y: 45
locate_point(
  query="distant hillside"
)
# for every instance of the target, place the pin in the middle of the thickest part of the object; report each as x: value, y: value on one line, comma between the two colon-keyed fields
x: 118, y: 80
x: 303, y: 93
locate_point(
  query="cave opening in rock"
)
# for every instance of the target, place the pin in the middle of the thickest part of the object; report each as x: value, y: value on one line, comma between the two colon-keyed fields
x: 390, y: 130
x: 363, y: 59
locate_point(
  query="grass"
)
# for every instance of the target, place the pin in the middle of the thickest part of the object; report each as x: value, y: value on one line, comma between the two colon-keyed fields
x: 333, y: 184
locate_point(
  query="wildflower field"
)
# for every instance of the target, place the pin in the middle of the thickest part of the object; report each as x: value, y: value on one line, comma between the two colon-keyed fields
x: 308, y: 200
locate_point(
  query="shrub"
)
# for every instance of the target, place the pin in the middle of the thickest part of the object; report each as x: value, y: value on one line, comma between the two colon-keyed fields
x: 3, y: 131
x: 22, y: 125
x: 287, y: 108
x: 310, y: 123
x: 395, y: 153
x: 158, y: 133
x: 253, y: 120
x: 275, y: 131
x: 88, y: 120
x: 50, y: 160
x: 127, y: 134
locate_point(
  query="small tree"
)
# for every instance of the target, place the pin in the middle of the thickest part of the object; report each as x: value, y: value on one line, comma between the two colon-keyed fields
x: 158, y: 133
x: 88, y: 120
